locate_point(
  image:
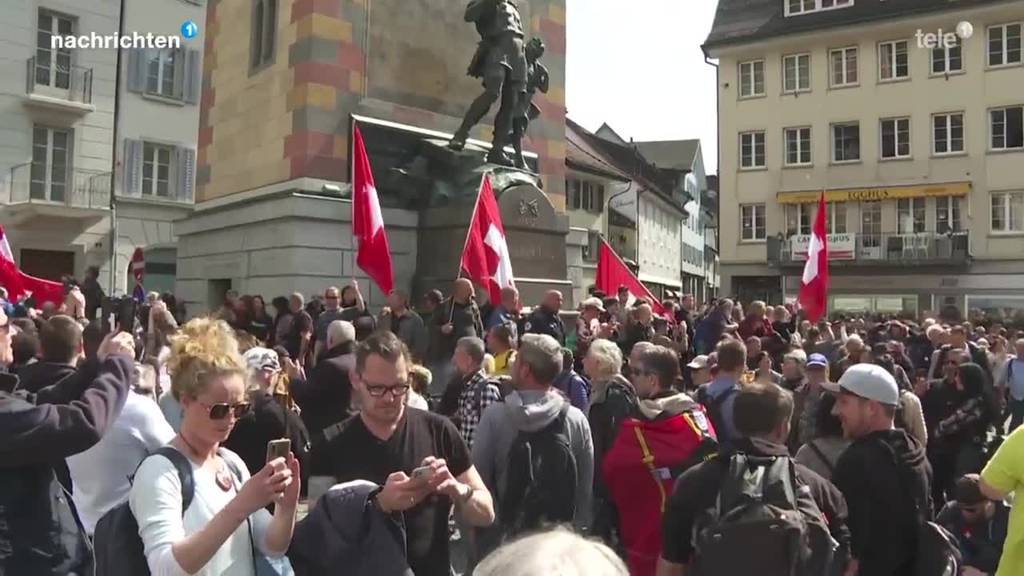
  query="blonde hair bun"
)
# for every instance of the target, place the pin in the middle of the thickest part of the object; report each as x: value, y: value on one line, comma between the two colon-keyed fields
x: 204, y: 349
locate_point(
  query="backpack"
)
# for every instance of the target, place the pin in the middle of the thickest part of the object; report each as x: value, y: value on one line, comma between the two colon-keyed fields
x: 117, y: 545
x: 938, y: 551
x: 640, y: 469
x: 765, y: 522
x: 541, y: 480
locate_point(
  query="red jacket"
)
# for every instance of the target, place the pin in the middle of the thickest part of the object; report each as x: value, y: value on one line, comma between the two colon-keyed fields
x: 754, y: 326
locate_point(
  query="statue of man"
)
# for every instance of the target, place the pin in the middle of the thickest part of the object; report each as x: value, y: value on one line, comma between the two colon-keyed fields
x: 537, y: 79
x: 500, y: 61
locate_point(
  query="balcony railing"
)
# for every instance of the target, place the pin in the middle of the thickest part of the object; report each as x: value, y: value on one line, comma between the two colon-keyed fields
x: 58, y: 80
x: 57, y: 186
x: 917, y: 249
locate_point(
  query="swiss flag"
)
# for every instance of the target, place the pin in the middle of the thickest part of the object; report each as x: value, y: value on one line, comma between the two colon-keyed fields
x: 612, y: 272
x: 18, y: 283
x: 814, y: 284
x: 374, y: 256
x: 138, y: 265
x: 485, y: 256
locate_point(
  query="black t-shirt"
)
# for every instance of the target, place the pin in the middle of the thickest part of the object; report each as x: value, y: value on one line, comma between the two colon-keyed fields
x: 696, y: 491
x: 302, y: 323
x: 353, y: 453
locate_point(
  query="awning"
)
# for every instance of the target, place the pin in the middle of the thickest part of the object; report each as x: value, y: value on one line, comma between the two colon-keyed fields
x: 879, y: 193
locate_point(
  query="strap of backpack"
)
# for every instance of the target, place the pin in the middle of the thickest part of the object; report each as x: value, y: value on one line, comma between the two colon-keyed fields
x: 184, y: 469
x: 821, y: 456
x: 648, y: 461
x: 919, y: 517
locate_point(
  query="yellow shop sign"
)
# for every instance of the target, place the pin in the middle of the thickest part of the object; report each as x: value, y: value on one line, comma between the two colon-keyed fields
x: 875, y: 194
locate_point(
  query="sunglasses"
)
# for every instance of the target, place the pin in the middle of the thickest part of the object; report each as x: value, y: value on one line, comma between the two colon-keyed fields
x: 221, y: 410
x: 332, y: 297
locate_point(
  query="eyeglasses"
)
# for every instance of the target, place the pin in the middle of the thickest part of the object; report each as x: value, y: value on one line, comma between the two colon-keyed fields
x: 221, y: 410
x: 332, y: 297
x: 379, y: 391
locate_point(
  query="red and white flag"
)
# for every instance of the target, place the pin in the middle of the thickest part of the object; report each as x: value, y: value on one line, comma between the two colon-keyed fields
x: 612, y: 272
x: 814, y: 284
x: 18, y: 283
x: 485, y: 256
x: 374, y: 256
x: 138, y: 265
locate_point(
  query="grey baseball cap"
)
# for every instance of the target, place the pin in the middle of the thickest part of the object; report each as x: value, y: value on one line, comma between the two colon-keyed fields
x: 868, y: 381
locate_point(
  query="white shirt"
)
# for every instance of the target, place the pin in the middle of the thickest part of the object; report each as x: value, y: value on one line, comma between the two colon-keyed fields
x: 155, y: 501
x: 101, y: 474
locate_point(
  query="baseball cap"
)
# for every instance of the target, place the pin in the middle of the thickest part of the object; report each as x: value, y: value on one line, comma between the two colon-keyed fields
x: 594, y: 303
x: 261, y: 359
x: 698, y: 363
x: 817, y: 360
x: 968, y: 490
x: 868, y: 381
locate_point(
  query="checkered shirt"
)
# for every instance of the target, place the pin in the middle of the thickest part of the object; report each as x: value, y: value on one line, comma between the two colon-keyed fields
x: 469, y: 413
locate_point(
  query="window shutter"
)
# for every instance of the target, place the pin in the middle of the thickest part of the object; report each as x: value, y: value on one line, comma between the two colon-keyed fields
x: 192, y: 76
x: 131, y: 184
x: 186, y: 167
x: 136, y: 70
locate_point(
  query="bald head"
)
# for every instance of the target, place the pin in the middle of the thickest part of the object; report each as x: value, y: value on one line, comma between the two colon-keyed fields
x: 553, y: 300
x: 462, y: 290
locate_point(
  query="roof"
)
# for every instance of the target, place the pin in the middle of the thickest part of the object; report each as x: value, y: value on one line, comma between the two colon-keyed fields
x: 670, y: 154
x: 581, y: 155
x: 743, y: 21
x: 628, y: 160
x: 606, y: 132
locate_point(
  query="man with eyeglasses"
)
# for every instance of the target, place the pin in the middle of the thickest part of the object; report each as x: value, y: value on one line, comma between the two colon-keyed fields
x: 418, y: 459
x: 44, y: 428
x: 979, y: 524
x: 332, y: 311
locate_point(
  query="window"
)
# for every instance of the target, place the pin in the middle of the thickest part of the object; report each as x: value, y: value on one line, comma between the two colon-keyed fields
x: 947, y: 214
x: 910, y: 214
x: 752, y: 150
x: 835, y: 217
x: 53, y: 66
x: 264, y: 33
x: 1004, y: 46
x: 586, y: 196
x: 798, y: 219
x: 51, y: 164
x: 1007, y: 208
x: 796, y: 73
x: 797, y: 7
x: 751, y: 78
x: 844, y: 67
x: 896, y: 138
x: 1007, y: 128
x: 948, y: 59
x: 846, y: 142
x: 948, y: 133
x: 163, y: 72
x: 871, y: 224
x: 798, y: 146
x: 752, y: 222
x: 156, y: 170
x: 892, y: 60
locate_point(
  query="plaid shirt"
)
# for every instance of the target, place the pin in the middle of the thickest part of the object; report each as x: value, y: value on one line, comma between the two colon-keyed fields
x: 469, y: 412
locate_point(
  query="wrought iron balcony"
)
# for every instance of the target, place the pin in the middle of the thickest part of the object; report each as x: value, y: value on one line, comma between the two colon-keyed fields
x: 58, y: 83
x: 37, y: 189
x: 915, y: 249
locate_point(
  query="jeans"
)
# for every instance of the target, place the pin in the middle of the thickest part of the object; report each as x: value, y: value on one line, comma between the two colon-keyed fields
x: 1016, y: 409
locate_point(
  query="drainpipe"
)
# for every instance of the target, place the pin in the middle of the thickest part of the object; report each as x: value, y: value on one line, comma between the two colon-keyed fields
x: 113, y: 157
x: 718, y: 158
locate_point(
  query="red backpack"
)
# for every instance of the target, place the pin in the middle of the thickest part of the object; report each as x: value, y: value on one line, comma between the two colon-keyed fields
x: 640, y: 470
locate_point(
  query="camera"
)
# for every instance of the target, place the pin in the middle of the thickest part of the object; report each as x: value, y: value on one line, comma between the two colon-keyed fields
x: 119, y: 314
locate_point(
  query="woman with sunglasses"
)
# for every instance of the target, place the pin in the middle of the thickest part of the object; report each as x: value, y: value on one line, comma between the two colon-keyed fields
x: 225, y: 531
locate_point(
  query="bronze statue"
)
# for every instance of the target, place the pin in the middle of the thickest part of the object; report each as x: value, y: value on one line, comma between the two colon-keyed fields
x: 537, y: 78
x: 500, y: 61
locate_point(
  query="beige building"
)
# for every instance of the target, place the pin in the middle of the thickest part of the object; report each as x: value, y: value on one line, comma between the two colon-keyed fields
x: 917, y: 145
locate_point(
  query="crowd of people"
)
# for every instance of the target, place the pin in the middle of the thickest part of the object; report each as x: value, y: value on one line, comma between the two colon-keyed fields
x: 442, y: 436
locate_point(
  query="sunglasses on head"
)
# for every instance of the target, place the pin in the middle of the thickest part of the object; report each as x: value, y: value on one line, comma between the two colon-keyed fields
x: 221, y: 410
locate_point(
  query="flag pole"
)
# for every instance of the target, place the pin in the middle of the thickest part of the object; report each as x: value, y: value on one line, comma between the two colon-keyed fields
x: 352, y: 189
x: 472, y: 220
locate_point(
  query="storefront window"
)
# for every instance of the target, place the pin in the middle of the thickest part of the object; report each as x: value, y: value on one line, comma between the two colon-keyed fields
x: 1003, y: 308
x: 874, y: 304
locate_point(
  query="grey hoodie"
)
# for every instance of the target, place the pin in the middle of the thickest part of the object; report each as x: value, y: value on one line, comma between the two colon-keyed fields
x: 530, y: 411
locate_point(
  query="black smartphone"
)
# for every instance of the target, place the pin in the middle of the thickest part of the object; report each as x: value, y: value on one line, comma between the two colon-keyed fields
x: 126, y: 315
x: 107, y: 315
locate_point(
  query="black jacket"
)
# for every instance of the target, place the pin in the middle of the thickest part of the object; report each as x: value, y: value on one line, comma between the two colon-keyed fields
x: 39, y: 532
x: 544, y: 321
x: 326, y: 396
x: 267, y: 421
x: 34, y: 377
x: 878, y: 491
x: 465, y: 320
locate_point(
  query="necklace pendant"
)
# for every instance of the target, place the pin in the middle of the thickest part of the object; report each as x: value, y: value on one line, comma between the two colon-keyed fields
x: 223, y: 479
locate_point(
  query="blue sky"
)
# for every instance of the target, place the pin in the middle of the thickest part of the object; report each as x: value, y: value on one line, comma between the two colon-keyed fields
x: 641, y: 69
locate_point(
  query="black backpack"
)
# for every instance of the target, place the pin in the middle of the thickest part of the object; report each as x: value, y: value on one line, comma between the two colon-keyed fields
x: 541, y: 481
x: 117, y: 545
x: 713, y: 406
x: 764, y: 512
